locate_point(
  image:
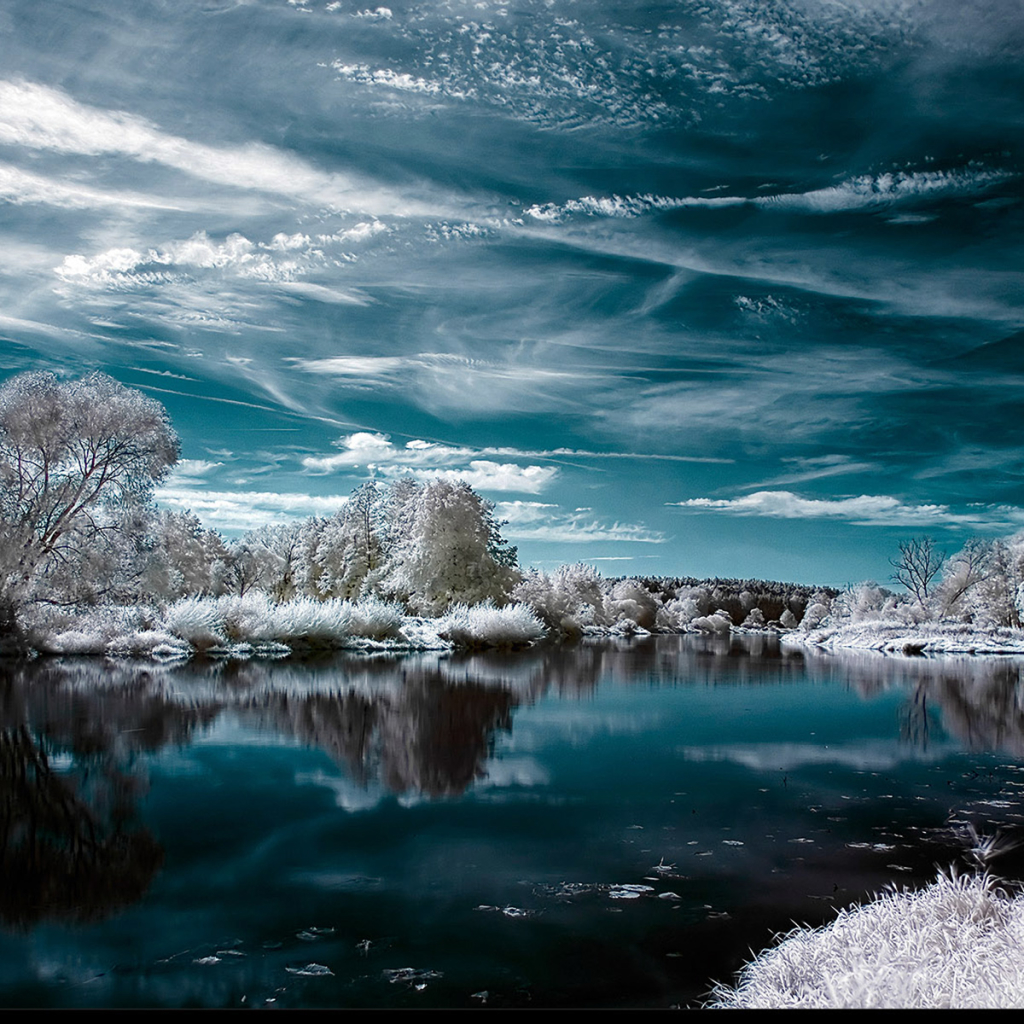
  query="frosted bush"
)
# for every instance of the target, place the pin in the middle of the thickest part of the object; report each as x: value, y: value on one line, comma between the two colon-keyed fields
x: 315, y: 623
x: 788, y: 620
x: 629, y: 599
x: 755, y: 620
x: 484, y: 625
x: 677, y: 613
x: 197, y: 621
x: 144, y: 642
x: 377, y: 619
x: 86, y: 630
x: 815, y: 614
x: 717, y: 623
x: 957, y: 944
x: 565, y: 600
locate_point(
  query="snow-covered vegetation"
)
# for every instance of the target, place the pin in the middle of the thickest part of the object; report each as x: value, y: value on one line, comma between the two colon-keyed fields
x: 88, y: 564
x: 956, y: 944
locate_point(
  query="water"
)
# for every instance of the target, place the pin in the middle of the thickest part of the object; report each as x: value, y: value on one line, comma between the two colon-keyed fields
x: 606, y: 825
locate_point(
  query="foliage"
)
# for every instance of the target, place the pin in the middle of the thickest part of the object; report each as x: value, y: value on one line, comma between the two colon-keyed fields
x: 78, y: 461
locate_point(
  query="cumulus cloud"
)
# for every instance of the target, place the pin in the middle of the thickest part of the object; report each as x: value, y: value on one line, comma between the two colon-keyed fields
x: 484, y: 475
x: 277, y: 261
x: 427, y: 460
x: 863, y: 510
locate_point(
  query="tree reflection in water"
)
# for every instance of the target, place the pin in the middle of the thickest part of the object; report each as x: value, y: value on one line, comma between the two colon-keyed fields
x: 74, y: 734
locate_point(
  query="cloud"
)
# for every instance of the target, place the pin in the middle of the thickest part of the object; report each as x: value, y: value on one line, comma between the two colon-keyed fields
x: 21, y: 187
x: 240, y: 511
x: 454, y: 383
x: 483, y: 475
x: 423, y: 460
x: 276, y: 262
x: 856, y: 193
x: 539, y: 521
x: 38, y: 117
x: 192, y: 468
x: 864, y: 510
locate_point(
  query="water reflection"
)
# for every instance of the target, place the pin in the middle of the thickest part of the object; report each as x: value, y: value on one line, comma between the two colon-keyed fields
x: 763, y: 776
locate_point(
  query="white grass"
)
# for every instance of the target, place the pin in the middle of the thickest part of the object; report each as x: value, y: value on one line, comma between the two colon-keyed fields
x: 484, y: 625
x: 216, y: 624
x: 957, y: 944
x: 255, y: 625
x: 923, y: 638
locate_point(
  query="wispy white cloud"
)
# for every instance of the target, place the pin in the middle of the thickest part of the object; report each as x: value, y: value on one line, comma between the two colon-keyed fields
x: 856, y: 193
x: 863, y: 510
x: 240, y: 511
x: 814, y: 468
x: 22, y: 187
x: 39, y: 117
x: 540, y: 521
x: 192, y: 469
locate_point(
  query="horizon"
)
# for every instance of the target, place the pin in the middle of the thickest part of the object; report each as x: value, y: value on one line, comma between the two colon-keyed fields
x: 698, y: 289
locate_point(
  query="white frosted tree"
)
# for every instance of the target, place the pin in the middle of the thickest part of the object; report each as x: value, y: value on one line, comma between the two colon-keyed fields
x: 452, y: 552
x: 78, y: 461
x: 187, y: 558
x: 344, y: 555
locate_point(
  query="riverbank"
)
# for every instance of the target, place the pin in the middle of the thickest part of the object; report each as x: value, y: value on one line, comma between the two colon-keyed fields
x: 900, y: 638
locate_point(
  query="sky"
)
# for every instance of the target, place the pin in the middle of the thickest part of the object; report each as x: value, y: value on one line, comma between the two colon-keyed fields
x: 707, y: 287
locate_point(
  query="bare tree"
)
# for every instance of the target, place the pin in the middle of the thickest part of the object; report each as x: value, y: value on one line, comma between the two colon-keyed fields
x: 917, y: 566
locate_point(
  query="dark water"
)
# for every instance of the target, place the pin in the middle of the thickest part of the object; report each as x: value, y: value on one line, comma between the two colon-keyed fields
x: 450, y: 831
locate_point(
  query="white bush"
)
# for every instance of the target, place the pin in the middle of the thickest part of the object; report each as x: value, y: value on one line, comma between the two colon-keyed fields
x: 483, y: 625
x: 957, y: 944
x: 198, y: 621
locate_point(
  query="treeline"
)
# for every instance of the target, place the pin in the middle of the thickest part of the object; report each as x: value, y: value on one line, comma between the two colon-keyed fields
x: 426, y: 546
x: 79, y: 530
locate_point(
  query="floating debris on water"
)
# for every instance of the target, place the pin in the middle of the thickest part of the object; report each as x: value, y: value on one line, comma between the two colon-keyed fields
x: 414, y: 977
x: 311, y: 971
x: 205, y: 960
x: 629, y: 892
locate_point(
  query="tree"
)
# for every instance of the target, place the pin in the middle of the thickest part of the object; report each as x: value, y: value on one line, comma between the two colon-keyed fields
x: 188, y: 560
x: 343, y: 554
x: 972, y: 565
x: 917, y: 566
x: 78, y: 460
x: 452, y: 551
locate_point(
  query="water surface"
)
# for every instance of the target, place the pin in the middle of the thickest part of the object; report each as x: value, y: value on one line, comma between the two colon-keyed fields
x: 602, y: 825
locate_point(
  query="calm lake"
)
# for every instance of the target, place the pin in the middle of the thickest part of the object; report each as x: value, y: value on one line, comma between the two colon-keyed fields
x: 611, y: 824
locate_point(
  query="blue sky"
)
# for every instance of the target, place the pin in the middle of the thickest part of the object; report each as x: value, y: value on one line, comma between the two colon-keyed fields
x: 710, y: 287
